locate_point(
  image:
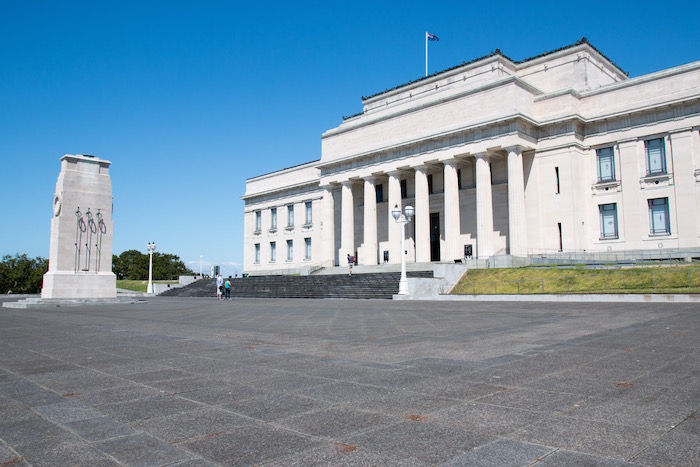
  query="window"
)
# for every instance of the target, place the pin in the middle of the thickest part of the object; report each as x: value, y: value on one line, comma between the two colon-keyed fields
x: 430, y: 184
x: 404, y: 189
x: 258, y: 221
x: 307, y: 209
x: 608, y: 220
x: 290, y: 250
x: 273, y: 252
x: 257, y: 253
x: 273, y: 219
x: 380, y: 193
x: 290, y: 216
x: 561, y: 237
x: 659, y: 222
x: 556, y: 173
x: 307, y: 249
x: 606, y: 164
x: 656, y: 156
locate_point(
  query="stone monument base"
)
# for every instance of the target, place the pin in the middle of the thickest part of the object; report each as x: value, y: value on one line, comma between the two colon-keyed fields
x: 58, y: 284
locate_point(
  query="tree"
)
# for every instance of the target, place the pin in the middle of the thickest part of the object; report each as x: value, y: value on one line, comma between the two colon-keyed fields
x: 133, y: 265
x: 21, y: 274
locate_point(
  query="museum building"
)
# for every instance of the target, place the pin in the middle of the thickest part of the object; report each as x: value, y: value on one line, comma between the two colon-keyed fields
x: 561, y: 152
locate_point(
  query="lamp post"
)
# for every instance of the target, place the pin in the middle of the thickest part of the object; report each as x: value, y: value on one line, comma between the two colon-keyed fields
x: 151, y: 248
x: 403, y: 219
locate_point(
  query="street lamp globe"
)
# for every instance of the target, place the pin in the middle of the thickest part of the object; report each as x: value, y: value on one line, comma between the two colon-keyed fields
x: 409, y: 211
x: 396, y: 212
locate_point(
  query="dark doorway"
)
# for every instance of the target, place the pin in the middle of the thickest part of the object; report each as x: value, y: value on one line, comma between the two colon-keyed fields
x: 435, y: 236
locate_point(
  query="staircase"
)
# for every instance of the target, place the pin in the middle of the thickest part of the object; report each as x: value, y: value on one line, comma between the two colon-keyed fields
x: 356, y: 286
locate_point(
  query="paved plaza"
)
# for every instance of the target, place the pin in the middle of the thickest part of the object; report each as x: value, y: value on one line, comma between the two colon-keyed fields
x: 173, y: 381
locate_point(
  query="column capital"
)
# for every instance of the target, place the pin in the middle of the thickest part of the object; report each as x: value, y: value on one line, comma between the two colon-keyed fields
x: 482, y: 155
x: 450, y: 162
x: 394, y: 173
x: 347, y: 183
x: 515, y: 148
x: 369, y: 178
x: 420, y: 167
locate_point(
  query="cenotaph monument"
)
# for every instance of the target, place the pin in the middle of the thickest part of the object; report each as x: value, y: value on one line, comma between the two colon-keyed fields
x: 80, y: 254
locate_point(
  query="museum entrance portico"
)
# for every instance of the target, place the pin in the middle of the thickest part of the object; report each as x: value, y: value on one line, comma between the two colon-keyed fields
x: 464, y: 201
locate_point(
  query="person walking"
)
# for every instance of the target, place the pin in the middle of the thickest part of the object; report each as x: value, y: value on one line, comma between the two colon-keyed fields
x: 219, y: 286
x: 351, y: 260
x: 227, y: 286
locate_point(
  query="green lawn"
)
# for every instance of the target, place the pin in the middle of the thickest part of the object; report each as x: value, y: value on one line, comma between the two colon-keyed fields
x: 139, y: 286
x: 558, y: 280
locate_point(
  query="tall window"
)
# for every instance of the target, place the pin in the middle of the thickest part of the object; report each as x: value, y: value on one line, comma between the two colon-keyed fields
x: 290, y: 215
x: 273, y: 252
x: 430, y: 184
x: 307, y: 209
x: 656, y: 156
x: 404, y: 189
x: 561, y: 237
x: 290, y: 250
x: 608, y: 220
x: 258, y: 221
x: 380, y: 193
x: 307, y: 248
x: 257, y: 253
x: 273, y: 218
x: 659, y: 222
x: 606, y: 164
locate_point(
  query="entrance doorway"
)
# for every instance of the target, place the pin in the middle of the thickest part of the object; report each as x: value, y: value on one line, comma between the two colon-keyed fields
x: 434, y: 236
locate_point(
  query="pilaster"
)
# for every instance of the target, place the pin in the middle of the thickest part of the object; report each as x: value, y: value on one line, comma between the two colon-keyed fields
x: 517, y: 224
x: 369, y: 249
x: 452, y: 221
x: 422, y: 215
x: 394, y: 228
x: 484, y: 207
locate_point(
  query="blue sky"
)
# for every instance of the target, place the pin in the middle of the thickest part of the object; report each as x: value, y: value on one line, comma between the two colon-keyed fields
x: 189, y: 99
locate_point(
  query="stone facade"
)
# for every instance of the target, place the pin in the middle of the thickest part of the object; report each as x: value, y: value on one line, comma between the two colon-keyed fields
x: 80, y: 253
x: 560, y: 152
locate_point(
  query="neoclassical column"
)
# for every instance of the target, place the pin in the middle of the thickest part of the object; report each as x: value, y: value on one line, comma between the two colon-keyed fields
x: 452, y: 222
x: 394, y: 228
x: 484, y: 207
x: 347, y: 222
x: 328, y: 227
x: 422, y: 215
x: 517, y: 226
x: 369, y: 249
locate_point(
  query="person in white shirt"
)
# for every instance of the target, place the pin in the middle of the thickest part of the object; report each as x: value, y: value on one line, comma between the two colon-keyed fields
x: 219, y: 286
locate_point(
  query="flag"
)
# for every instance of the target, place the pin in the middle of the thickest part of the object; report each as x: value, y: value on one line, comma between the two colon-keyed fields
x: 431, y: 37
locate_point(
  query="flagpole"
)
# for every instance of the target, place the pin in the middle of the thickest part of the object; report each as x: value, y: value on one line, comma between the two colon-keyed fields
x: 426, y: 53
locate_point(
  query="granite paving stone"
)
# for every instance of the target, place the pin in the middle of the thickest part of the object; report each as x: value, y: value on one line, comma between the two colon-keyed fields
x: 674, y: 448
x: 564, y: 458
x: 275, y: 406
x: 251, y: 444
x: 189, y: 425
x: 142, y: 449
x: 598, y: 438
x: 337, y: 422
x: 426, y: 441
x: 59, y: 452
x: 64, y: 412
x: 99, y: 429
x: 140, y: 409
x: 502, y: 452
